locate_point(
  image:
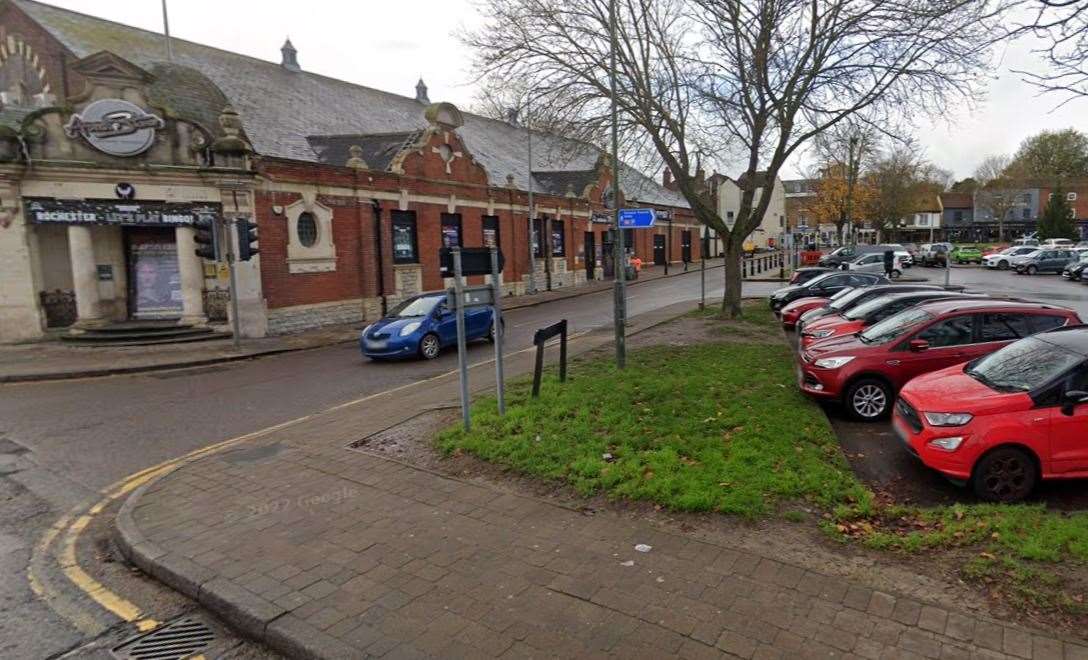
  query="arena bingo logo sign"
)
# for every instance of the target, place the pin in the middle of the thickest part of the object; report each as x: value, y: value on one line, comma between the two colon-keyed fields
x: 115, y: 127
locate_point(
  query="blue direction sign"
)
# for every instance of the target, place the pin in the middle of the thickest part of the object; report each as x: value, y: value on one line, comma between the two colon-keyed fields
x: 637, y: 218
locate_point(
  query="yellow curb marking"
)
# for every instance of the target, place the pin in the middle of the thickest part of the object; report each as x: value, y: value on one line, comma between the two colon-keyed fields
x: 99, y: 593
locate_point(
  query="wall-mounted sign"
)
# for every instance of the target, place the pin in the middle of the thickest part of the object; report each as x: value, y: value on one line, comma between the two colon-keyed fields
x: 125, y: 191
x: 115, y: 127
x: 109, y: 212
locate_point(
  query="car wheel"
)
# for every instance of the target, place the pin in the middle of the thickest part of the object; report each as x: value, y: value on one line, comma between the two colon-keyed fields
x: 1031, y: 270
x: 868, y: 399
x: 1003, y: 264
x: 429, y: 346
x: 491, y: 330
x: 896, y: 274
x: 1004, y: 475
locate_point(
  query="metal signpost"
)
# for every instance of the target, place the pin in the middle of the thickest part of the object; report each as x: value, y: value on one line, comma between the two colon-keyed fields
x: 496, y: 319
x: 462, y: 358
x: 461, y: 297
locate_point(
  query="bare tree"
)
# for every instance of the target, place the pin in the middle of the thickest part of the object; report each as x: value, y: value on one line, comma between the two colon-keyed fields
x: 752, y: 79
x: 998, y: 191
x: 1063, y: 25
x: 845, y: 149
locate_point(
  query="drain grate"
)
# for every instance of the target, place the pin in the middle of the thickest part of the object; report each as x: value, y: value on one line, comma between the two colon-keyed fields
x: 174, y: 641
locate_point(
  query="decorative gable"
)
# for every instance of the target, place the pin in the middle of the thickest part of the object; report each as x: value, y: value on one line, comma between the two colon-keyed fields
x: 105, y: 67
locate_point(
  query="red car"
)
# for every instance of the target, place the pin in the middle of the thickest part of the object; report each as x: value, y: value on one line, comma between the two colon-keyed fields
x: 864, y: 371
x: 1006, y: 420
x: 873, y: 311
x: 793, y: 311
x: 859, y: 296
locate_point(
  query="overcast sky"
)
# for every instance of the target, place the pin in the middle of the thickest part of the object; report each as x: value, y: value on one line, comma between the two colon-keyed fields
x: 389, y: 45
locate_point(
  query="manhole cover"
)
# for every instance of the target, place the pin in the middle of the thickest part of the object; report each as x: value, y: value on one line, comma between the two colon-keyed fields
x: 176, y: 640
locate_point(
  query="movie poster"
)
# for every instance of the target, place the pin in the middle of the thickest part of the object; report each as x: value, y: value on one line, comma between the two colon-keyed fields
x: 156, y: 280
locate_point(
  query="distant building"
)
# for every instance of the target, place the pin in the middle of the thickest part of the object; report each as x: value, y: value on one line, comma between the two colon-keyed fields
x: 772, y: 227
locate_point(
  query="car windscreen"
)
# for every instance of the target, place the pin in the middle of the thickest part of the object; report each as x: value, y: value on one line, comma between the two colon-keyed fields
x: 416, y: 307
x: 894, y: 326
x: 845, y: 298
x: 1023, y: 365
x: 868, y: 307
x: 814, y: 282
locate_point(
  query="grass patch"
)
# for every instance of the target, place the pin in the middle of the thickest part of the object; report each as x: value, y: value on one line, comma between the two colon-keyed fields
x: 756, y: 321
x: 1015, y: 549
x: 714, y: 427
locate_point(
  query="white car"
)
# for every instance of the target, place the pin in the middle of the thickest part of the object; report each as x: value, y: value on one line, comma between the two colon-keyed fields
x: 1003, y: 260
x: 874, y: 263
x: 1024, y: 257
x: 1057, y: 243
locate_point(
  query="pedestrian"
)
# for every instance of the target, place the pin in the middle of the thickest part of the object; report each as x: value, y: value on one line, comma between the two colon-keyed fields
x: 889, y: 262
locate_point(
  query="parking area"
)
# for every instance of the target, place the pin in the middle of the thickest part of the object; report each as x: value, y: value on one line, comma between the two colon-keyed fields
x: 874, y: 450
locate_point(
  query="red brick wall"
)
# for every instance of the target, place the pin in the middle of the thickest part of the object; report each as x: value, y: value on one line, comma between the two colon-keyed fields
x: 50, y: 52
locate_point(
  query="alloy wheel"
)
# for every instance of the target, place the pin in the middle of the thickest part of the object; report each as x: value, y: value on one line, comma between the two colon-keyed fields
x: 1008, y: 477
x: 869, y: 401
x: 429, y: 347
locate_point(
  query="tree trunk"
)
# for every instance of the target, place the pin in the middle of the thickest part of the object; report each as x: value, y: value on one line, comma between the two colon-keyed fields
x: 734, y: 252
x: 1001, y: 230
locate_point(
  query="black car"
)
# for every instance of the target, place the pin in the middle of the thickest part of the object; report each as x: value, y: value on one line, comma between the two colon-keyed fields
x: 802, y: 275
x: 858, y: 297
x: 824, y: 286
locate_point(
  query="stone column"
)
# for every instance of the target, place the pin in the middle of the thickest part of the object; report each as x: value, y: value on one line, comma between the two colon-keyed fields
x: 191, y: 269
x: 84, y: 277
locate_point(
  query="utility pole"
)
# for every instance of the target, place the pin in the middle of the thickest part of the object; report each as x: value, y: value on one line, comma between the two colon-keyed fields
x: 532, y: 252
x: 619, y: 312
x: 166, y: 31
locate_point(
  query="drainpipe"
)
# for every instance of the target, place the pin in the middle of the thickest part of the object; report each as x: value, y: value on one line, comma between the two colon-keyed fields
x: 377, y: 208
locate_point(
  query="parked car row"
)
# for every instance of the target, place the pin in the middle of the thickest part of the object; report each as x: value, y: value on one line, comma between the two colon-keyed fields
x: 988, y: 391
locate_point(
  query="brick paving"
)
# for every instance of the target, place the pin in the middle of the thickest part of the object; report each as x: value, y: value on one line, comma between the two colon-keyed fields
x: 321, y: 551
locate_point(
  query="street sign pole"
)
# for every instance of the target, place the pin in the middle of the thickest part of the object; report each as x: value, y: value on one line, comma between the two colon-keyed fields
x: 230, y: 237
x: 497, y: 321
x: 702, y: 283
x: 462, y: 357
x: 619, y: 312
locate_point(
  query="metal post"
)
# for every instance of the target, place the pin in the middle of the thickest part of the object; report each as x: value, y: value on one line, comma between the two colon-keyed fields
x: 231, y: 237
x: 702, y: 283
x: 462, y: 357
x: 619, y: 304
x: 947, y: 267
x: 529, y: 130
x: 497, y: 320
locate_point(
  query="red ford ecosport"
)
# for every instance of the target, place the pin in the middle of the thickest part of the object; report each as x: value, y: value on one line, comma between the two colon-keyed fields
x: 1005, y: 420
x: 864, y: 371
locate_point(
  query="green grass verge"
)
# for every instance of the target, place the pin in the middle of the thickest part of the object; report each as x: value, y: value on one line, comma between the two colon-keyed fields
x: 715, y: 427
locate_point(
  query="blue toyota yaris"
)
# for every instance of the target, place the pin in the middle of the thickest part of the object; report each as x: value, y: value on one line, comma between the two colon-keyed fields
x: 422, y: 326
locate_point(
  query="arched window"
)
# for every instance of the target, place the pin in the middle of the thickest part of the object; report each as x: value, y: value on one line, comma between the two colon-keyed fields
x: 307, y: 229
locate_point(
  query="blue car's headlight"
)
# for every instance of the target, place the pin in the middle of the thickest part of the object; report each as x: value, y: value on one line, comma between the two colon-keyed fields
x: 410, y: 328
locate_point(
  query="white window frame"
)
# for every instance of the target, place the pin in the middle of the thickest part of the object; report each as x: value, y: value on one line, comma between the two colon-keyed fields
x: 319, y: 257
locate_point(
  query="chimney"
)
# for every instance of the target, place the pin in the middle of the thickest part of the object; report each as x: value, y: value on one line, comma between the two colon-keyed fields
x: 421, y: 93
x: 512, y: 116
x: 666, y: 178
x: 290, y: 57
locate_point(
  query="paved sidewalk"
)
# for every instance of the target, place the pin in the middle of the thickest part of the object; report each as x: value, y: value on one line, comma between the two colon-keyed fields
x: 55, y: 360
x: 320, y: 551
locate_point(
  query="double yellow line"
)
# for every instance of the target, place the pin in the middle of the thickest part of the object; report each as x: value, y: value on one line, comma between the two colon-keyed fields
x: 59, y: 542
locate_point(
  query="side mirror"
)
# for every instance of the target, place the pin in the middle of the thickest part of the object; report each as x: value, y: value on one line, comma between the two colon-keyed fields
x: 1070, y: 400
x: 918, y: 345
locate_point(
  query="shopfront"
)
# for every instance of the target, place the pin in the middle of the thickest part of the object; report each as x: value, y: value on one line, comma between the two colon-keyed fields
x: 125, y: 259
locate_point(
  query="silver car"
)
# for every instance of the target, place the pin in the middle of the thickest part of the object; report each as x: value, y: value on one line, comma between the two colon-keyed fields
x: 874, y: 263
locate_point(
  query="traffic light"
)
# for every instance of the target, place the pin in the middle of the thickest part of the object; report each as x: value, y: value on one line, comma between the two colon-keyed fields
x: 207, y: 238
x: 247, y: 239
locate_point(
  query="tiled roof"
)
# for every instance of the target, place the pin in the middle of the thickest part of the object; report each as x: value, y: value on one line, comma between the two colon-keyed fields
x: 281, y: 108
x: 377, y: 150
x: 957, y: 200
x: 559, y: 183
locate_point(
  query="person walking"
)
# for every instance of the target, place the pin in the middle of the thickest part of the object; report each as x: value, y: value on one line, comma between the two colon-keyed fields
x: 889, y: 263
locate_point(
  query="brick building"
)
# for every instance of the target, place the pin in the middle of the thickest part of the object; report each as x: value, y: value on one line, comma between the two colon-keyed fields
x: 353, y: 190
